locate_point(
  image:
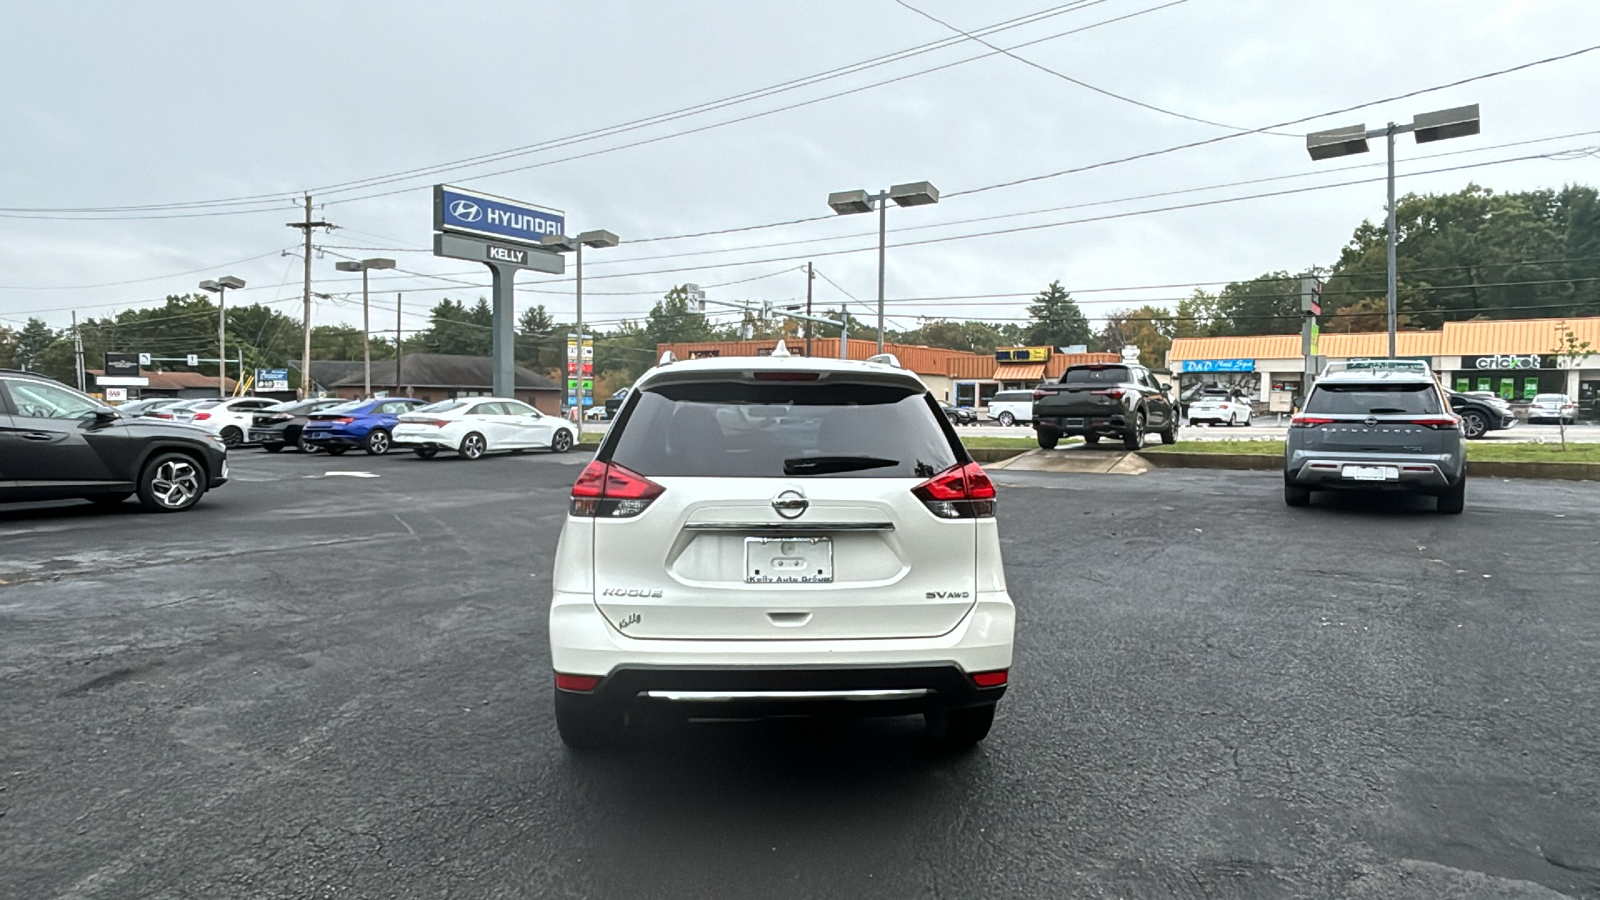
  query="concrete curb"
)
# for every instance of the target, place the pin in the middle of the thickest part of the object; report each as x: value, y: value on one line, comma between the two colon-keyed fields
x: 1262, y: 462
x: 995, y: 454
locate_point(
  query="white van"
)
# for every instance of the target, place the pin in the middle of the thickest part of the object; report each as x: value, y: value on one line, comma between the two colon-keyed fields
x: 1011, y: 407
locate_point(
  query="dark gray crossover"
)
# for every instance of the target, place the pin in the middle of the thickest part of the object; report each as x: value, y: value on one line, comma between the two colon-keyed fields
x: 1376, y: 426
x: 59, y: 444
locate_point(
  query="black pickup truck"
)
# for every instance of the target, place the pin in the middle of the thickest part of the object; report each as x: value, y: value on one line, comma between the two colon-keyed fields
x: 1114, y: 400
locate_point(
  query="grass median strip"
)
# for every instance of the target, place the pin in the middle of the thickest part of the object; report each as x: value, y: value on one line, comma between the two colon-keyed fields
x: 977, y: 442
x: 1479, y: 451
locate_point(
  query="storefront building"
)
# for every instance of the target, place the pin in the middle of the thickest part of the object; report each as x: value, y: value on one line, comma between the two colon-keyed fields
x: 1514, y: 359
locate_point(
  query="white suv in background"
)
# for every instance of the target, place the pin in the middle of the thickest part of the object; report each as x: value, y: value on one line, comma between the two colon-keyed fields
x: 1011, y: 407
x: 777, y: 536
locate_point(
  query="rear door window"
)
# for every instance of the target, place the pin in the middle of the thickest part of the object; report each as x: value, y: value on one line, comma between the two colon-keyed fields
x: 742, y: 430
x: 1374, y: 399
x: 1107, y: 375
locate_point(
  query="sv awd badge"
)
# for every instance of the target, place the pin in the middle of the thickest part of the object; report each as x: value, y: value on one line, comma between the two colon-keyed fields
x: 948, y: 595
x: 631, y: 592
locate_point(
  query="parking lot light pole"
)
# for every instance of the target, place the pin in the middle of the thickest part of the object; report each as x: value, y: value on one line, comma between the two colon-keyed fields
x: 1461, y: 121
x: 220, y: 288
x: 363, y: 266
x: 846, y: 203
x: 564, y: 244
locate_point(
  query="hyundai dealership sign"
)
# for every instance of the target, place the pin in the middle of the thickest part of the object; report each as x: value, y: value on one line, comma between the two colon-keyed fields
x: 485, y: 215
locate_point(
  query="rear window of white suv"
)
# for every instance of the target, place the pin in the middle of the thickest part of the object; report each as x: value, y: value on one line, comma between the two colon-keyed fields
x: 782, y: 429
x: 1404, y: 398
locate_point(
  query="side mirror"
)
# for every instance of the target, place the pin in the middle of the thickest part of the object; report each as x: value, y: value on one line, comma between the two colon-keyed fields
x: 1164, y: 385
x: 106, y: 416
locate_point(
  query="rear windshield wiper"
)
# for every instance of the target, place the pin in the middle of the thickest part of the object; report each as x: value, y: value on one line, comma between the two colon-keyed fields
x: 822, y: 465
x: 1385, y: 410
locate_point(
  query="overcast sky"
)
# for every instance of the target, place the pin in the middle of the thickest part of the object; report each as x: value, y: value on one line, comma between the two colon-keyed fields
x: 142, y: 103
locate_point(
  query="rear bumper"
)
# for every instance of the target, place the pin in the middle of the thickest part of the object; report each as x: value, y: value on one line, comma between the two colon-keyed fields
x: 1418, y: 475
x: 754, y: 692
x: 1099, y: 423
x: 583, y: 642
x: 407, y: 437
x: 331, y: 438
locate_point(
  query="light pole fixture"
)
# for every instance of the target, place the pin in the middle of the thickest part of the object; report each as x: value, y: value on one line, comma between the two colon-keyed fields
x: 846, y: 203
x: 363, y: 266
x: 220, y: 288
x: 1460, y: 121
x: 564, y: 244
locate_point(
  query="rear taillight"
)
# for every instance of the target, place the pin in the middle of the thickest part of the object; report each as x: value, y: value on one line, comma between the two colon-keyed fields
x: 1309, y: 421
x: 431, y: 423
x: 342, y: 420
x: 1041, y: 394
x: 1438, y: 423
x: 1114, y: 393
x: 607, y: 490
x: 959, y: 492
x: 582, y: 684
x: 200, y: 417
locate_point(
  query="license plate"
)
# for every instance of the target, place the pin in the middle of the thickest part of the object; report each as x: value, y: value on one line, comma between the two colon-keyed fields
x: 1371, y: 473
x: 260, y: 435
x: 779, y: 560
x: 1074, y: 423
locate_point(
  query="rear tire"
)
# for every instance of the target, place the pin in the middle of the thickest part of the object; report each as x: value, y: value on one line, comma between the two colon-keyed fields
x: 1134, y: 439
x: 1295, y: 495
x: 1454, y: 500
x: 426, y: 452
x: 1006, y: 419
x: 586, y: 726
x: 377, y: 442
x: 272, y: 448
x: 957, y: 729
x: 1048, y: 441
x: 1169, y: 435
x: 232, y: 437
x: 171, y: 482
x: 1473, y: 425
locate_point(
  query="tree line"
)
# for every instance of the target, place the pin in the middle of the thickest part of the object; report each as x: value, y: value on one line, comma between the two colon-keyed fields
x: 1470, y: 254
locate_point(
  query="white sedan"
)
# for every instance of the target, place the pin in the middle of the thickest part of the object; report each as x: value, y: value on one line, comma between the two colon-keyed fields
x: 1221, y: 409
x: 229, y: 419
x: 475, y: 426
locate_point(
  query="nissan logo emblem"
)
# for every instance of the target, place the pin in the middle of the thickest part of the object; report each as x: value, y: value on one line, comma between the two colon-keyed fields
x: 1372, y: 421
x: 791, y: 504
x: 465, y: 211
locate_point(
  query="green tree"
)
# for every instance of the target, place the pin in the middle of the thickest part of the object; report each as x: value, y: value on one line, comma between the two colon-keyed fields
x: 1148, y: 328
x: 541, y: 342
x: 1057, y: 320
x: 344, y: 342
x: 454, y: 328
x: 671, y: 320
x: 1570, y: 352
x: 31, y: 341
x: 972, y: 336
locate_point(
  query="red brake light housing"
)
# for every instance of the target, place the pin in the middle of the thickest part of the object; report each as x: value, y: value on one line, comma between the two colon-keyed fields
x: 962, y: 491
x: 200, y: 417
x: 1305, y: 421
x: 582, y: 684
x: 993, y: 679
x: 786, y: 376
x: 609, y: 491
x: 1113, y: 393
x: 1437, y: 423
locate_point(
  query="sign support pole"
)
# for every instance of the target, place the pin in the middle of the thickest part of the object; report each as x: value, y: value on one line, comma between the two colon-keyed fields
x: 505, y: 335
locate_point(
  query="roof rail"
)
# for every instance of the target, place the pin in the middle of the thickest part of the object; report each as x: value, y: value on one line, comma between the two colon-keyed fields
x: 885, y: 359
x: 1378, y: 365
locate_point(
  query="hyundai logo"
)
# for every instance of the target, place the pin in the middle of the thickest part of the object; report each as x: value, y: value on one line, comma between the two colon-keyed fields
x: 465, y: 211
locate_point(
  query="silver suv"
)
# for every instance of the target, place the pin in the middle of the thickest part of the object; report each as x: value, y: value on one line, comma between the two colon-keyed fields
x: 1376, y: 426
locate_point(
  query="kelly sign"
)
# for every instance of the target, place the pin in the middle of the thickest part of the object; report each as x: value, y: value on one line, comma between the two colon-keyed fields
x: 485, y: 215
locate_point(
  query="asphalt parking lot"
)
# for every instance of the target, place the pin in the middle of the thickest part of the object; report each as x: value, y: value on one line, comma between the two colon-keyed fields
x: 331, y: 679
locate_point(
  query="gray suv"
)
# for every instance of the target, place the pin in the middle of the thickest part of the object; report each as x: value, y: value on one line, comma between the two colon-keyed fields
x: 1376, y: 428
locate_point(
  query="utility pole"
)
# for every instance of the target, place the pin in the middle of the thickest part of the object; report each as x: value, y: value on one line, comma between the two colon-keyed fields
x: 77, y: 349
x: 810, y: 277
x: 398, y: 351
x: 305, y: 358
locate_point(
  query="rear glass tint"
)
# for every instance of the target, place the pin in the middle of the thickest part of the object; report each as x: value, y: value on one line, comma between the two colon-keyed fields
x: 740, y: 430
x: 1374, y: 399
x: 1107, y: 375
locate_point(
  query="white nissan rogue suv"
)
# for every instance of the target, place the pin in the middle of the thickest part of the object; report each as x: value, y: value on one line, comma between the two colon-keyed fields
x: 778, y: 535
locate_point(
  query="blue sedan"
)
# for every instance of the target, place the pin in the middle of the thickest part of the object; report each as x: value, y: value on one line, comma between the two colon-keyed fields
x: 368, y: 424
